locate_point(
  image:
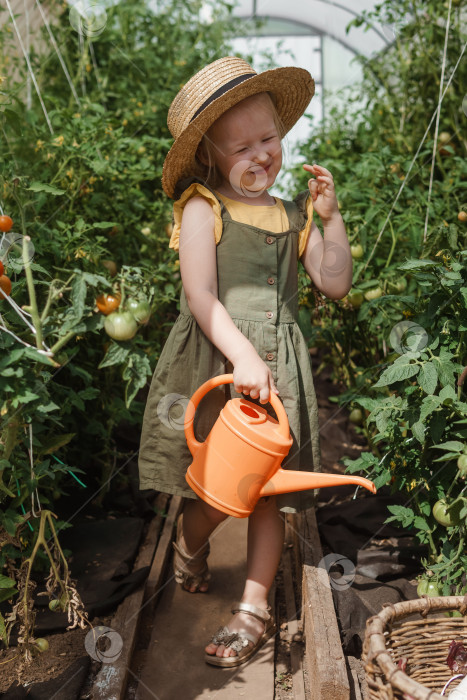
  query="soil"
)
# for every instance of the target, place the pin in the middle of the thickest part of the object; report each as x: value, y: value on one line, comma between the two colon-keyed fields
x: 63, y: 649
x: 338, y: 438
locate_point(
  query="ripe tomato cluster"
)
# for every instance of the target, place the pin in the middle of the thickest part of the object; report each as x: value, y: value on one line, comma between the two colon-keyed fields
x: 6, y: 222
x: 122, y: 324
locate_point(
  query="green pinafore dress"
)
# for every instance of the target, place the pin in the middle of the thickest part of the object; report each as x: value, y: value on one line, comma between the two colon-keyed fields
x: 258, y: 285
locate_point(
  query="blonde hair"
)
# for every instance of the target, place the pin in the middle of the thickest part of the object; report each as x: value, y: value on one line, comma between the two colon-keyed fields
x: 209, y: 173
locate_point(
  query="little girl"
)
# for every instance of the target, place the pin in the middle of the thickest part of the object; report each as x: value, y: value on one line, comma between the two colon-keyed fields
x: 238, y: 249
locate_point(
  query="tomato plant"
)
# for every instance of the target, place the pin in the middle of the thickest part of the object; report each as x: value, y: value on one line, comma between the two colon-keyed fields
x: 355, y: 299
x: 140, y: 309
x: 5, y: 285
x: 121, y: 325
x: 356, y: 251
x: 6, y: 222
x: 444, y: 515
x: 462, y: 464
x: 107, y: 303
x: 427, y: 587
x: 88, y: 196
x: 400, y: 349
x: 356, y: 416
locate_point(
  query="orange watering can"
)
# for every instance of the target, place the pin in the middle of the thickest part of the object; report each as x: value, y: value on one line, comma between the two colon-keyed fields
x: 239, y: 462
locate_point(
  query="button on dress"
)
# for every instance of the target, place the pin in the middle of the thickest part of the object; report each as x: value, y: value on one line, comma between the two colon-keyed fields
x: 258, y: 285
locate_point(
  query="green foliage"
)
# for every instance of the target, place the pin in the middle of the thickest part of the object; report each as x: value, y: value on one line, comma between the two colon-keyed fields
x: 400, y: 355
x: 80, y: 175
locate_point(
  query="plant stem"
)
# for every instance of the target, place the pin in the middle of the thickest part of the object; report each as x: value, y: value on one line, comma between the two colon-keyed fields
x: 63, y: 341
x: 391, y: 252
x: 32, y: 294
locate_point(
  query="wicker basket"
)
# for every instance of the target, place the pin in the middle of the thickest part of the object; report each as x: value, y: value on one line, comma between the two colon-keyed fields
x: 423, y: 640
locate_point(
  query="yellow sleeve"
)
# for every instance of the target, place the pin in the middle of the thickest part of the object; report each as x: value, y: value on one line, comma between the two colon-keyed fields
x: 194, y: 190
x: 305, y: 232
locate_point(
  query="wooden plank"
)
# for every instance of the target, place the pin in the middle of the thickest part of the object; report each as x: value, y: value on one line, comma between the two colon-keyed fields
x: 324, y: 654
x: 112, y: 678
x: 164, y: 549
x: 173, y: 664
x: 293, y: 528
x: 293, y: 629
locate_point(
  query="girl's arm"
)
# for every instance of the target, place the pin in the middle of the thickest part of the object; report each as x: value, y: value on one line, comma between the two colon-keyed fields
x: 327, y: 259
x: 198, y: 269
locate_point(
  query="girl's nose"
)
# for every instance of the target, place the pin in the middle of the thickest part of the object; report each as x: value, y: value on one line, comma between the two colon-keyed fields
x: 261, y: 156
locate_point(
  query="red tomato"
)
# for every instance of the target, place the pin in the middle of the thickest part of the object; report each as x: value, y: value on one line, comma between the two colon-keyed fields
x: 107, y: 303
x: 6, y: 222
x: 5, y: 285
x: 2, y: 269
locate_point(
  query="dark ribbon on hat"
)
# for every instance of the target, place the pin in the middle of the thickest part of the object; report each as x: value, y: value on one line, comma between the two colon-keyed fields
x: 223, y: 89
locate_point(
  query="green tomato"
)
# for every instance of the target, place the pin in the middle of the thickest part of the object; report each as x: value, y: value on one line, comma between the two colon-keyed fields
x: 462, y: 464
x: 374, y: 293
x: 427, y: 587
x: 443, y: 515
x: 401, y: 285
x: 41, y: 644
x: 356, y: 416
x: 140, y: 309
x: 356, y: 251
x: 355, y: 299
x: 121, y: 325
x: 54, y: 605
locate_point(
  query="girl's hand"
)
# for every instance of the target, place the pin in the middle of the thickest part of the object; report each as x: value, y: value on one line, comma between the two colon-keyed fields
x: 253, y: 377
x: 322, y: 191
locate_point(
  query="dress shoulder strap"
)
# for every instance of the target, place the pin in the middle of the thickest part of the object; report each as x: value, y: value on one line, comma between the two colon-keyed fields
x: 183, y: 184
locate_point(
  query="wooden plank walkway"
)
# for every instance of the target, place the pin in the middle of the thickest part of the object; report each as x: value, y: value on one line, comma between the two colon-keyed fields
x: 174, y: 666
x: 176, y: 625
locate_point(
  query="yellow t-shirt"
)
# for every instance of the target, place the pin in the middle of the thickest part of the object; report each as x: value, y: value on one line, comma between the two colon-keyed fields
x: 273, y: 218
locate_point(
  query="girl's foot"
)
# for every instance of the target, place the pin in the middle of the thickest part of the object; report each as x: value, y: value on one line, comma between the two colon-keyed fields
x: 249, y: 629
x: 191, y: 571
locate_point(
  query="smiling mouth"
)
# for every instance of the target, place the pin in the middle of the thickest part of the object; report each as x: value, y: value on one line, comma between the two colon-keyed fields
x: 259, y: 170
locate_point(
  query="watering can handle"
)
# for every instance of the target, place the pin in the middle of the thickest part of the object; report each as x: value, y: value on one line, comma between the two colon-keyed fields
x: 193, y: 443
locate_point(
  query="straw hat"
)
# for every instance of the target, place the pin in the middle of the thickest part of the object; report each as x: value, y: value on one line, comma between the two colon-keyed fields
x: 216, y: 88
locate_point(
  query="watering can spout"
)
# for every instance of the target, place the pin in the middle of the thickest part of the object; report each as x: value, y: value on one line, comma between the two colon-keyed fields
x: 285, y: 481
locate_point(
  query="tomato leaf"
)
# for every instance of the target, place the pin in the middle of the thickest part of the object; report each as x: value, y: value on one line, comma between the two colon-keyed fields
x: 417, y: 264
x: 115, y: 355
x: 429, y: 404
x: 54, y: 443
x: 402, y: 514
x: 3, y: 632
x: 397, y: 372
x: 6, y: 582
x: 451, y: 445
x: 421, y: 524
x: 418, y: 429
x: 78, y: 296
x: 105, y: 224
x: 428, y: 377
x: 43, y: 187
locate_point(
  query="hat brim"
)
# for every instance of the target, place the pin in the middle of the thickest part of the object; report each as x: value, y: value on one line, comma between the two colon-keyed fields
x: 292, y: 88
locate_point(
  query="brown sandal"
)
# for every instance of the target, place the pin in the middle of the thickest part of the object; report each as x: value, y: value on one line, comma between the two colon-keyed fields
x: 240, y: 641
x: 182, y: 561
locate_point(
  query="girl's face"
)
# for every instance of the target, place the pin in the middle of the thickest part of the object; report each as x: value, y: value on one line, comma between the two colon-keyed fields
x: 246, y: 147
